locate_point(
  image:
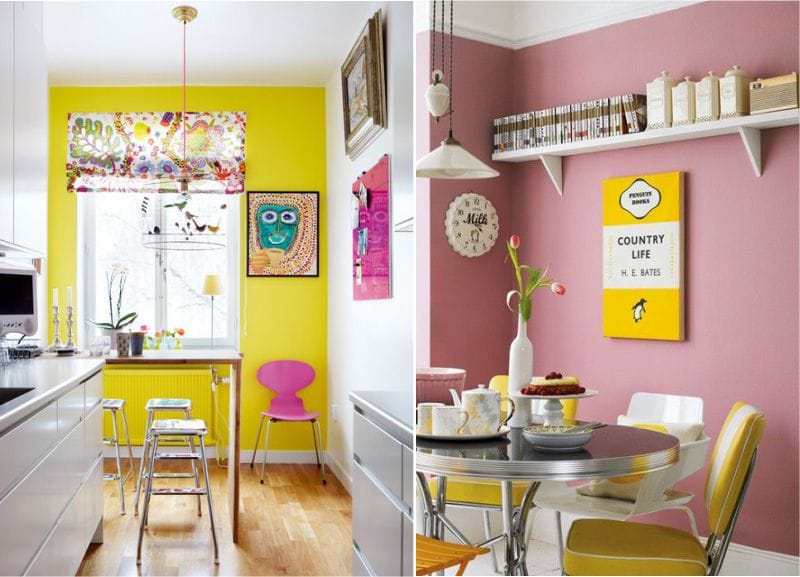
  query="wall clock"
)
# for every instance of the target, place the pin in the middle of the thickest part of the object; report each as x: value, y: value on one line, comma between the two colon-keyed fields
x: 471, y: 224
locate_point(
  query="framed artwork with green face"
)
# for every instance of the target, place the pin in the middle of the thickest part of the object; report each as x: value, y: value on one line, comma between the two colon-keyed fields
x: 283, y: 234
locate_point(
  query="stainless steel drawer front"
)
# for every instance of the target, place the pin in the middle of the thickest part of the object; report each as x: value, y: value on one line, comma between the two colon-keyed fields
x: 379, y: 453
x: 377, y: 526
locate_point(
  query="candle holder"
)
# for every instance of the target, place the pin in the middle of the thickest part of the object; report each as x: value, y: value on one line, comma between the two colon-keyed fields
x: 56, y: 344
x: 70, y: 343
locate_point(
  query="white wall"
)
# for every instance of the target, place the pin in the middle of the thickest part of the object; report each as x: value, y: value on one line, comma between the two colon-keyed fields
x: 370, y: 343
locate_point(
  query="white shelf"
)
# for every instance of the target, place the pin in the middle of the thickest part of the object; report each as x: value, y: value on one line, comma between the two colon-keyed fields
x: 748, y: 127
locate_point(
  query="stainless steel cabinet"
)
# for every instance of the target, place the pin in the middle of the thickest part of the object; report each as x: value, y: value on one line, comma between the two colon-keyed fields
x: 382, y: 490
x: 6, y: 121
x: 24, y: 118
x: 51, y: 503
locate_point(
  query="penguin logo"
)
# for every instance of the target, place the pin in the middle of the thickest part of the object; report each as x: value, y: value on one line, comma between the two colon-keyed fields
x: 638, y: 309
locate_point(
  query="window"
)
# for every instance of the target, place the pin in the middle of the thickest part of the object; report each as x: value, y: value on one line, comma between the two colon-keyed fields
x: 163, y: 286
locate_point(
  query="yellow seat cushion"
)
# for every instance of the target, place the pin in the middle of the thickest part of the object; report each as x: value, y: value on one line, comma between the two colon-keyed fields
x: 487, y: 493
x: 604, y: 547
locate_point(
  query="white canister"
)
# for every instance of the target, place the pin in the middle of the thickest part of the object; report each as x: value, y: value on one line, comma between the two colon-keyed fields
x: 425, y: 417
x: 659, y: 102
x: 483, y: 408
x: 734, y: 93
x: 706, y: 98
x: 449, y: 421
x: 683, y: 103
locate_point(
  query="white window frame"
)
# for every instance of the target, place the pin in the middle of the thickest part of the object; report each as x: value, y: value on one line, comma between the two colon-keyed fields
x: 86, y: 274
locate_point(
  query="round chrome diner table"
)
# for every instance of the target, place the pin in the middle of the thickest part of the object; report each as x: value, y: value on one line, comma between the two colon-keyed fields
x: 613, y: 451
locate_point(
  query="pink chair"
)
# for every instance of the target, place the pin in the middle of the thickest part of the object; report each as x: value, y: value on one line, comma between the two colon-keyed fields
x: 285, y: 378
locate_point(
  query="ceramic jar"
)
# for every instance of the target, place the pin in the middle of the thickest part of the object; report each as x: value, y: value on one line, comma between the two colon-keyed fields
x: 734, y: 93
x: 483, y: 407
x: 706, y: 96
x: 659, y: 102
x: 683, y: 103
x: 123, y: 343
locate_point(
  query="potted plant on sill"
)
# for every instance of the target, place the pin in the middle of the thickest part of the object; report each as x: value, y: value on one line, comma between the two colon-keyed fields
x: 116, y: 279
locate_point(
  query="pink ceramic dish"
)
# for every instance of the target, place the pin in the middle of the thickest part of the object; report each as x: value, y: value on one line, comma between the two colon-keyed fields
x: 434, y: 384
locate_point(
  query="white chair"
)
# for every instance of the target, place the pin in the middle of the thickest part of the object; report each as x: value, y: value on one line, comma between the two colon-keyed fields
x: 655, y: 490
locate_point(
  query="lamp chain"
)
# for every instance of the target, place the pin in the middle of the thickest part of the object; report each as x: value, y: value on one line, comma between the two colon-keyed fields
x: 183, y: 115
x: 452, y: 82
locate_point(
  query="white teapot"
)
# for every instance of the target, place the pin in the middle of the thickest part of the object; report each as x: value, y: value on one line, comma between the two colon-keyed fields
x: 482, y: 406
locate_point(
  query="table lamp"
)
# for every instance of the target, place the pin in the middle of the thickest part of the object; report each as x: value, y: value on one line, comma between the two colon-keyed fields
x: 212, y: 286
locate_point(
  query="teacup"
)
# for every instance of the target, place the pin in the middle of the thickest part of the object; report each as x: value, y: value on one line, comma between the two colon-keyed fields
x: 425, y: 417
x: 449, y: 421
x: 483, y: 407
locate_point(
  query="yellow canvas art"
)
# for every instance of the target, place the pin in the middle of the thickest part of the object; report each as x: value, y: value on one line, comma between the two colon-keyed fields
x: 643, y: 256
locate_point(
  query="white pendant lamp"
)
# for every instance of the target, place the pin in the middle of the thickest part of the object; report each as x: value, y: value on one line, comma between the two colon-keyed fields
x: 450, y: 160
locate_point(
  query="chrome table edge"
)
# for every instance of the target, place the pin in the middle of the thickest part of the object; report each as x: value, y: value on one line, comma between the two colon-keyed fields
x: 562, y: 470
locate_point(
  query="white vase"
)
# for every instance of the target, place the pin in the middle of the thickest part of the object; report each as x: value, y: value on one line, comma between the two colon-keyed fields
x: 520, y: 371
x: 111, y: 334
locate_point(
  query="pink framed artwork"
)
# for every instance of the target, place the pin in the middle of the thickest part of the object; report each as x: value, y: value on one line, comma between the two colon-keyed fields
x: 371, y: 237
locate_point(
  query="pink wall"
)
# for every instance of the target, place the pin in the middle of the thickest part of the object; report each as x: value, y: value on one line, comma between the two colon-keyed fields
x: 422, y: 224
x: 741, y: 240
x: 467, y: 319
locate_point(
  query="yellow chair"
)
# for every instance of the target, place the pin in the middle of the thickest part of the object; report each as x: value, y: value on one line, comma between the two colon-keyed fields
x: 606, y: 547
x: 465, y: 492
x: 434, y: 555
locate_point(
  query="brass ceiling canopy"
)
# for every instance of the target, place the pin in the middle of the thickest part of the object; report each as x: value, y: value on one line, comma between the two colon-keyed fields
x: 184, y: 14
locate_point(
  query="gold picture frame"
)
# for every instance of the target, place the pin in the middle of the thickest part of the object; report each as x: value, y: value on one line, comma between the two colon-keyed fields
x: 364, y: 89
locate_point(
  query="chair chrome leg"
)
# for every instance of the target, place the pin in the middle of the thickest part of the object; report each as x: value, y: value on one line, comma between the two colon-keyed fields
x: 258, y: 439
x: 119, y: 463
x: 145, y: 447
x: 187, y: 415
x: 487, y: 528
x: 146, y: 510
x: 210, y: 502
x: 132, y: 468
x: 319, y: 432
x: 314, y: 434
x: 266, y: 444
x: 560, y: 541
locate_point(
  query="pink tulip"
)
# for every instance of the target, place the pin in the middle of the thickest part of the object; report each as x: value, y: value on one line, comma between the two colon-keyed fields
x: 514, y: 241
x: 144, y: 328
x: 558, y: 288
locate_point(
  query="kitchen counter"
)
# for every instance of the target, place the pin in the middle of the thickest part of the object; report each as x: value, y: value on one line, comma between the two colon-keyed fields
x: 383, y: 482
x: 49, y: 377
x: 394, y: 409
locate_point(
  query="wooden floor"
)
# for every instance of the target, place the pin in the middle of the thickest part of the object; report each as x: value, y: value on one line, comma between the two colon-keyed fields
x: 291, y: 525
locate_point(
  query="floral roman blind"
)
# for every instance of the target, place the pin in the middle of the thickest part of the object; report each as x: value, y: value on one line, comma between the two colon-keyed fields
x: 144, y: 151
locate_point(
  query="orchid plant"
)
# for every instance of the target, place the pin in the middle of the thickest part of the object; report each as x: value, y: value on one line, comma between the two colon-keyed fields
x: 116, y: 279
x: 528, y: 279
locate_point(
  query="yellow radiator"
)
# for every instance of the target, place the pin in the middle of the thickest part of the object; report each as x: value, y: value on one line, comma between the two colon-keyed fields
x: 139, y: 385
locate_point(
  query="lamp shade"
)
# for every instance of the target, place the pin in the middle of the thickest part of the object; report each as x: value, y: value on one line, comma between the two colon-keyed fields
x: 451, y: 160
x: 212, y: 285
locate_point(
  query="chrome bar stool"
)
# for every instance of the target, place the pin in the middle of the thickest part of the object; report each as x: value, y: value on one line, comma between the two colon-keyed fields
x: 172, y: 428
x: 152, y: 407
x: 115, y: 407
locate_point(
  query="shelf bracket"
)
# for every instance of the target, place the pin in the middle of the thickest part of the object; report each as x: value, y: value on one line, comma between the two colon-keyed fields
x: 552, y: 164
x: 751, y: 138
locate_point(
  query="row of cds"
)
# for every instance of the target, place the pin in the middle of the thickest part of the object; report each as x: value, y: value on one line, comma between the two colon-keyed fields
x: 624, y: 114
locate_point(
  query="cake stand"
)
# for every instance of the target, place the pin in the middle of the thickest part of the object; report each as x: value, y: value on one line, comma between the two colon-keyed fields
x: 553, y: 409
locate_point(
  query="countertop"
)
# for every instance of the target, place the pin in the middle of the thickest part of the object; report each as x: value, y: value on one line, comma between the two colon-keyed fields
x: 50, y: 377
x: 393, y: 410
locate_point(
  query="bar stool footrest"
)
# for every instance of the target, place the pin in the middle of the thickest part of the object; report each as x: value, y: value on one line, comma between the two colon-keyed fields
x: 179, y: 456
x: 169, y: 476
x: 179, y: 491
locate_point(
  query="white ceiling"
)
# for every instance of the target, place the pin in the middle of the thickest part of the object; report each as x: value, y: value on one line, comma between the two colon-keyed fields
x: 230, y: 43
x: 524, y: 23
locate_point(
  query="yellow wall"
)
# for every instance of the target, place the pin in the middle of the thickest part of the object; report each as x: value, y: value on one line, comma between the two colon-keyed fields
x: 285, y: 151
